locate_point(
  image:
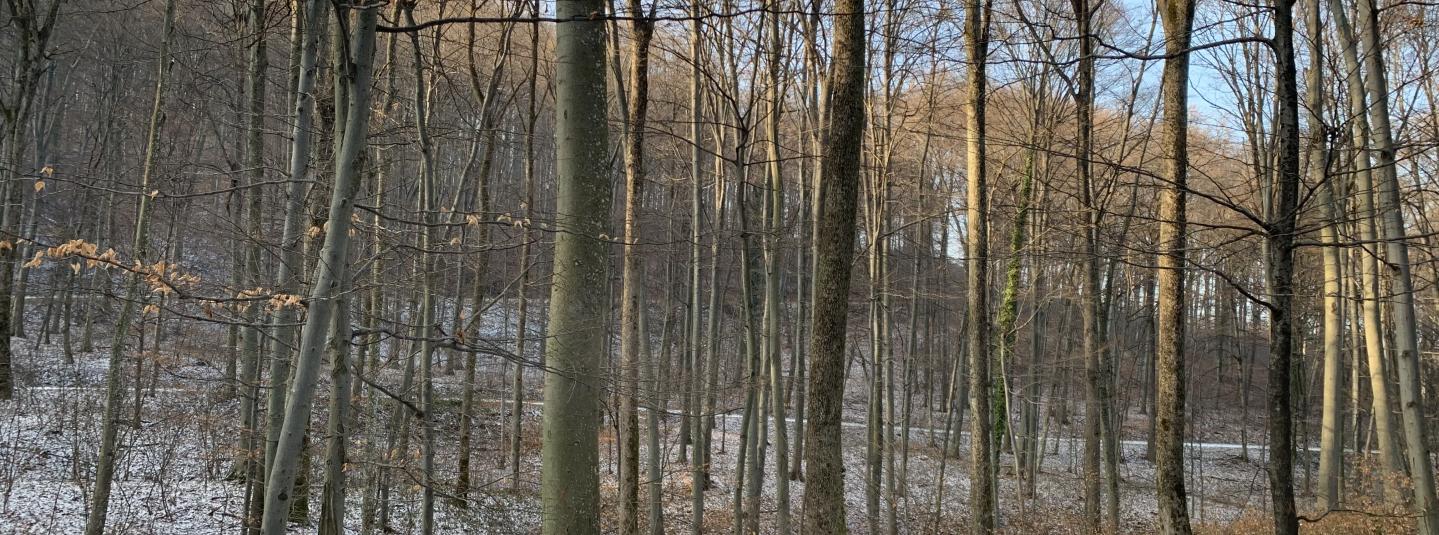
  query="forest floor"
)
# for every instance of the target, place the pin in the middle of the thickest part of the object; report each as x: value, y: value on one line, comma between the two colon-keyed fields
x: 172, y: 474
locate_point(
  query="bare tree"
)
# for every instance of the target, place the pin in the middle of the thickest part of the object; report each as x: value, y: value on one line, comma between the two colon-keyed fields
x: 329, y: 274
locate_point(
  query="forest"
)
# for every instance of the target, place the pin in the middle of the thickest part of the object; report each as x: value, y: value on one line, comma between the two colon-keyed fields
x: 751, y: 266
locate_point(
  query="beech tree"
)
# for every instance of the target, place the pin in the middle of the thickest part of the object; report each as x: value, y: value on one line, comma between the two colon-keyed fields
x: 569, y: 478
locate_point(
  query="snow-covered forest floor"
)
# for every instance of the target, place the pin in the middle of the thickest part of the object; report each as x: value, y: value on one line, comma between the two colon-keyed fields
x: 172, y: 476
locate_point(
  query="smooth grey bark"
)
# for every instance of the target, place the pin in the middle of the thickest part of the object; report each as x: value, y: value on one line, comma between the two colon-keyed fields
x: 654, y: 476
x: 291, y: 264
x: 1390, y: 213
x: 569, y: 486
x: 337, y: 429
x: 251, y: 342
x: 109, y: 431
x: 329, y: 274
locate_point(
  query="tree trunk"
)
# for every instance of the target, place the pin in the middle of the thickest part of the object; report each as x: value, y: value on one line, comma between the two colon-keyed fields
x: 569, y: 487
x: 1390, y: 212
x: 332, y: 503
x: 699, y: 471
x: 329, y: 273
x: 632, y: 304
x: 427, y: 327
x: 1391, y: 462
x: 774, y: 215
x: 1280, y: 274
x: 109, y: 439
x: 982, y: 490
x: 1095, y: 409
x: 1331, y: 440
x: 834, y: 247
x: 1178, y: 19
x: 33, y: 35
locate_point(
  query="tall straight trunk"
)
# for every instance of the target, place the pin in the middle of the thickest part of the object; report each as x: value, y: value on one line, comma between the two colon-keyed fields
x: 329, y: 273
x: 109, y: 430
x: 1390, y: 212
x: 982, y: 490
x: 1331, y: 439
x: 814, y: 124
x: 881, y: 353
x: 1280, y: 275
x: 834, y: 246
x: 518, y: 385
x: 712, y: 337
x: 1034, y: 389
x: 1390, y: 459
x: 747, y: 464
x: 569, y: 486
x: 652, y: 376
x: 467, y: 395
x: 774, y: 216
x: 1178, y: 19
x: 287, y: 280
x: 753, y: 432
x: 375, y: 305
x: 697, y: 384
x: 1095, y: 381
x: 427, y: 327
x: 479, y: 200
x: 632, y: 302
x: 292, y: 257
x: 247, y: 215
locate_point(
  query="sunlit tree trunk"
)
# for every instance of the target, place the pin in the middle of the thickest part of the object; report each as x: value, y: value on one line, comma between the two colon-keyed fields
x: 1178, y: 19
x: 1331, y: 440
x: 982, y: 490
x: 1391, y: 215
x: 1390, y: 460
x: 774, y: 220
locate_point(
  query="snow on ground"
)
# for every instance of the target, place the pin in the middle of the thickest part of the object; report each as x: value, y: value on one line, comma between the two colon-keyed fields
x: 172, y: 472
